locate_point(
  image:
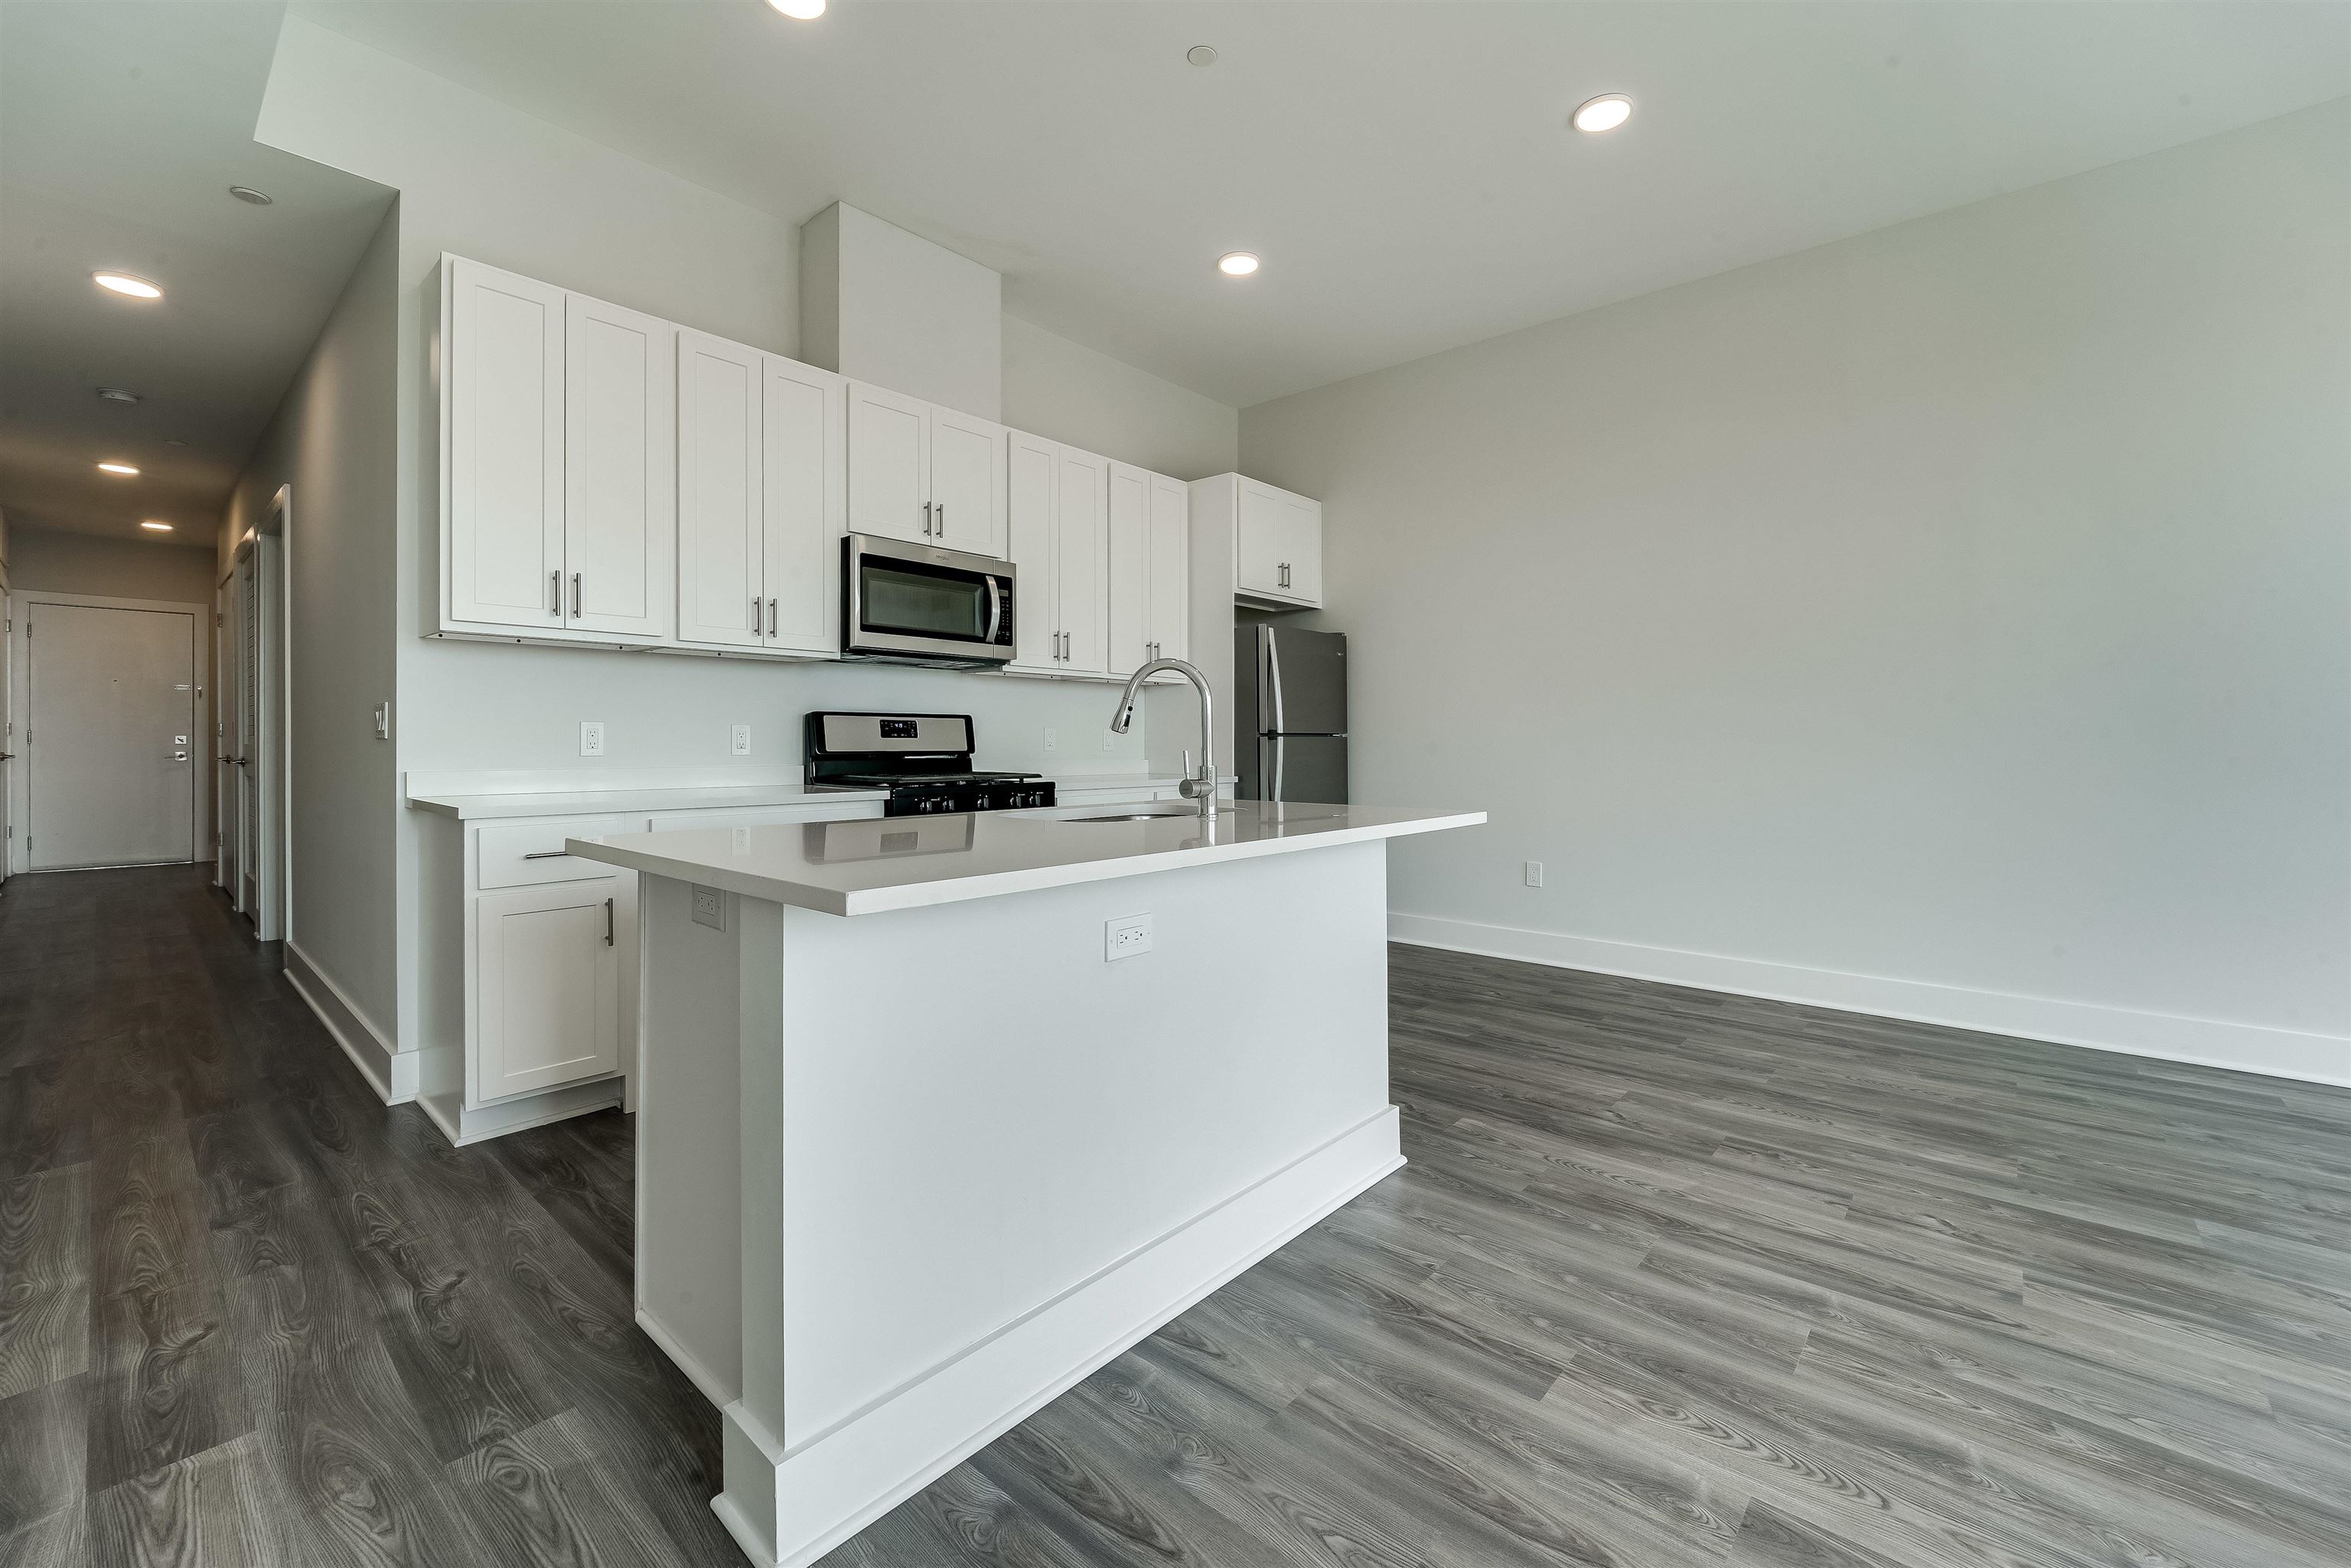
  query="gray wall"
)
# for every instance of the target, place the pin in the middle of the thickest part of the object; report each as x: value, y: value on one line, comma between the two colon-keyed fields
x: 1954, y: 621
x: 64, y: 562
x: 331, y: 440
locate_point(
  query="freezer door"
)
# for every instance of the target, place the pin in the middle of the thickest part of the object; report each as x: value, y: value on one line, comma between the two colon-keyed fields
x: 1301, y: 768
x: 1304, y: 677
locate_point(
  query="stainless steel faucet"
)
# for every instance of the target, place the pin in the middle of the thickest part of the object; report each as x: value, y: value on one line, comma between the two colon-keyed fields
x: 1202, y: 786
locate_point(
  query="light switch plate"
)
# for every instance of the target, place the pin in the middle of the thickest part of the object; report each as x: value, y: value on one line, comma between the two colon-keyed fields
x: 1124, y: 936
x: 591, y: 738
x: 1534, y: 873
x: 709, y: 908
x: 739, y: 740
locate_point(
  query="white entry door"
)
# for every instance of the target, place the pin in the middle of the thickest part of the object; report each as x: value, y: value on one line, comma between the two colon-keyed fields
x: 111, y: 736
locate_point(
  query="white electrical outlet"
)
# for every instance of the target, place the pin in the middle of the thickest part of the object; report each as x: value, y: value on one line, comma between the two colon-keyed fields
x: 1125, y: 937
x: 739, y: 740
x: 1534, y: 873
x: 591, y: 738
x: 1052, y: 739
x: 383, y: 721
x: 709, y: 908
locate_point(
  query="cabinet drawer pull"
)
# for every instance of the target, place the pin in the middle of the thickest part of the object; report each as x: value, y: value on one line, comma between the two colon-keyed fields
x: 546, y: 854
x: 607, y: 923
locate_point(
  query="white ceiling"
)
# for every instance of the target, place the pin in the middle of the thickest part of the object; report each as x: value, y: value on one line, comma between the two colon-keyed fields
x: 121, y: 128
x: 1405, y: 169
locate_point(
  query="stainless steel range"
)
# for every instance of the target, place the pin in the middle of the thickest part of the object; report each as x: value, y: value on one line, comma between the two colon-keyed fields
x: 923, y: 759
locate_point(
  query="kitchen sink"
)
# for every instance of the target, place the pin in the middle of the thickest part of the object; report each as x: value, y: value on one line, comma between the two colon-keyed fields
x: 1148, y: 814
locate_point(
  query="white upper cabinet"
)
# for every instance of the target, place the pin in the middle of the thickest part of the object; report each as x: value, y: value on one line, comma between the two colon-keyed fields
x: 502, y: 448
x: 620, y: 489
x: 1032, y: 491
x: 889, y: 464
x: 968, y: 498
x: 721, y: 590
x: 1278, y: 545
x: 1082, y: 562
x: 1130, y: 569
x: 1171, y: 568
x: 806, y: 497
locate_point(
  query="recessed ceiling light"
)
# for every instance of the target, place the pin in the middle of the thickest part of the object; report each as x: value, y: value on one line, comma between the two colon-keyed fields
x: 159, y: 527
x: 1201, y: 54
x: 117, y: 394
x: 799, y: 10
x: 1605, y: 112
x: 118, y: 468
x: 247, y: 194
x: 1237, y: 264
x: 123, y: 283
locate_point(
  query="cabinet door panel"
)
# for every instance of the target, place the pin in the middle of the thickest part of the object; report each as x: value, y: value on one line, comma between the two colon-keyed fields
x: 967, y: 457
x: 719, y: 479
x: 502, y: 359
x: 807, y: 500
x: 889, y: 464
x: 619, y: 413
x: 1130, y: 569
x: 1171, y: 566
x: 1302, y: 548
x: 548, y: 1002
x: 1032, y: 485
x: 1258, y: 547
x: 1080, y: 558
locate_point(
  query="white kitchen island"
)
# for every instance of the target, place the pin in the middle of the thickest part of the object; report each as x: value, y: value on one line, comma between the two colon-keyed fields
x: 914, y: 1153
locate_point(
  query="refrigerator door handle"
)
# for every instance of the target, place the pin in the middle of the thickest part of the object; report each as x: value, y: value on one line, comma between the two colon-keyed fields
x: 1276, y: 795
x: 1273, y: 680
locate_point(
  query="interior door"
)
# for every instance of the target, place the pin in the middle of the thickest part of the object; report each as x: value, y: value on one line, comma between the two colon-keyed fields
x: 889, y: 464
x: 109, y: 735
x: 252, y: 746
x: 1031, y: 484
x: 7, y: 736
x: 1081, y: 561
x: 224, y: 802
x: 807, y: 498
x: 966, y: 483
x: 1171, y: 568
x: 1130, y: 569
x: 504, y: 360
x: 721, y: 587
x: 619, y: 485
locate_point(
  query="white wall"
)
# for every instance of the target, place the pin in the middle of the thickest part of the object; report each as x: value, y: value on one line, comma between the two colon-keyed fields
x: 1952, y: 621
x: 64, y: 562
x: 480, y: 179
x: 1069, y: 392
x: 881, y: 305
x: 332, y: 440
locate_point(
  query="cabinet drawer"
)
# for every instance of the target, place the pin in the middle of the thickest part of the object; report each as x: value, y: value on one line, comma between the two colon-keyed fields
x: 522, y: 854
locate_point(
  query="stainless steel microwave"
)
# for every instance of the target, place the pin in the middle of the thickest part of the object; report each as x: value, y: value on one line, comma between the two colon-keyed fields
x: 918, y: 604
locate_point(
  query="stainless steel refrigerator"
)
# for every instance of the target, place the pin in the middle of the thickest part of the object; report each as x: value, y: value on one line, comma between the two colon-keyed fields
x: 1290, y: 719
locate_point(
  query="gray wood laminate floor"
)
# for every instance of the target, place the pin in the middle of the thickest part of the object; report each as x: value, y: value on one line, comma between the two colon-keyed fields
x: 1672, y: 1279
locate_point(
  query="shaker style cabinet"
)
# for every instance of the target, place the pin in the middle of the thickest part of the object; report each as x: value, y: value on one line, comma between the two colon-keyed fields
x: 557, y: 457
x: 761, y: 479
x: 1058, y: 501
x: 1278, y: 545
x: 924, y: 474
x: 547, y: 971
x: 1150, y: 567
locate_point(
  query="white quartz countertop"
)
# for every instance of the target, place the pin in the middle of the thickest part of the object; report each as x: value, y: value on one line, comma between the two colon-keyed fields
x: 875, y: 864
x: 473, y: 806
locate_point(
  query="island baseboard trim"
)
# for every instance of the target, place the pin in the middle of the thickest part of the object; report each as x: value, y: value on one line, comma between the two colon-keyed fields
x: 822, y: 1493
x: 701, y: 1376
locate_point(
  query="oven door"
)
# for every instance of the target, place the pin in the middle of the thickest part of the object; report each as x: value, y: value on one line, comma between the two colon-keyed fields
x: 914, y: 604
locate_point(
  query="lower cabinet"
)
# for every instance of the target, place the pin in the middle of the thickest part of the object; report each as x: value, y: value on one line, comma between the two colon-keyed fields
x: 546, y: 970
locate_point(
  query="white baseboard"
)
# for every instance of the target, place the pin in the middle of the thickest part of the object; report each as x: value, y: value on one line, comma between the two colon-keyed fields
x: 786, y: 1508
x: 701, y: 1376
x: 462, y: 1124
x: 2165, y: 1037
x: 392, y: 1074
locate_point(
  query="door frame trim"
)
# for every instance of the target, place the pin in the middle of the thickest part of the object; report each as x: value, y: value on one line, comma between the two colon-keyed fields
x: 20, y: 701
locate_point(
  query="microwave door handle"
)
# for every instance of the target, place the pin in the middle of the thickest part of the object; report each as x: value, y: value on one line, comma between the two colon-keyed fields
x: 995, y: 608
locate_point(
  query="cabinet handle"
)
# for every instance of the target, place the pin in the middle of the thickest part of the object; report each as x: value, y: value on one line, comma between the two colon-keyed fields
x: 607, y: 923
x: 942, y: 519
x: 575, y: 594
x: 546, y: 854
x: 926, y: 519
x: 754, y: 615
x: 555, y: 587
x: 771, y: 618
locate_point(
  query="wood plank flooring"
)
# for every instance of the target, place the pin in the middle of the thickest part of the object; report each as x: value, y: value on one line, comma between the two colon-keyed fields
x: 1672, y: 1279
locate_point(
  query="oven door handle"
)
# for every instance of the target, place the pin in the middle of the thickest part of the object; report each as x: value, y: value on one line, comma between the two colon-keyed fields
x: 995, y: 608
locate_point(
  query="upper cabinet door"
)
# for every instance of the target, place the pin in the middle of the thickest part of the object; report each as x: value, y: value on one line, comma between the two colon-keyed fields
x: 1130, y: 569
x: 889, y: 464
x: 967, y: 496
x: 620, y: 421
x: 1257, y: 544
x: 1082, y: 562
x: 1302, y: 549
x: 1032, y: 485
x: 1171, y: 568
x: 721, y: 598
x: 807, y: 504
x: 502, y: 457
